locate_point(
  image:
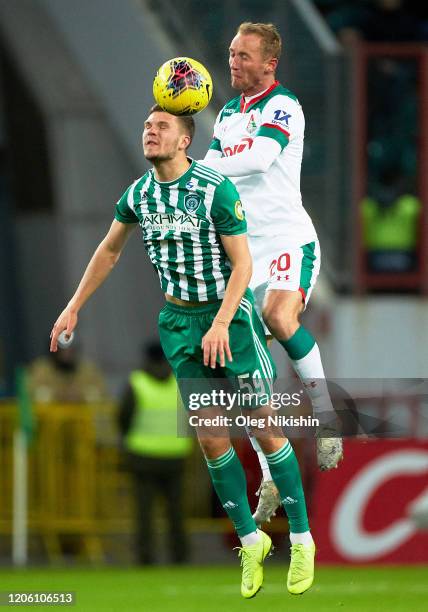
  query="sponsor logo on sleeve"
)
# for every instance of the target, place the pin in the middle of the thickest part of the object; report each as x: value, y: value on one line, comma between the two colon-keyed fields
x: 281, y: 117
x: 239, y: 211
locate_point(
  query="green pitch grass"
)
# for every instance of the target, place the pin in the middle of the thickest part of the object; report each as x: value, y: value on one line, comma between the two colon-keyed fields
x: 216, y: 589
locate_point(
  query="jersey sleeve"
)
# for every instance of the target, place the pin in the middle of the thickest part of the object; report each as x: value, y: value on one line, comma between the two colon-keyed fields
x: 124, y: 213
x: 215, y: 144
x: 282, y: 120
x: 226, y: 210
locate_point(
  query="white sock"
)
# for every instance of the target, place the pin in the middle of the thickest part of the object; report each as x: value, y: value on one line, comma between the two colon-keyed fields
x: 250, y: 538
x: 260, y: 454
x: 304, y: 538
x: 265, y: 466
x: 310, y: 371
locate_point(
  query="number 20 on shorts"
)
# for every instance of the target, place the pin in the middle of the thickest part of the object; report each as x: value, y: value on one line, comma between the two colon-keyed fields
x: 280, y: 265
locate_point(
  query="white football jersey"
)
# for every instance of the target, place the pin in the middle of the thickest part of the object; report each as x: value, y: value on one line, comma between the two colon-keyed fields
x: 272, y: 199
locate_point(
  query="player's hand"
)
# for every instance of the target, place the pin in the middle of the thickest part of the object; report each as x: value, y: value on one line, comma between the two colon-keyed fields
x: 67, y: 320
x: 216, y: 342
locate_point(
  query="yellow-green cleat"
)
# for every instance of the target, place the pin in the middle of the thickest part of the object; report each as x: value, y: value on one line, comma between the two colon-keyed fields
x: 301, y: 573
x: 252, y: 558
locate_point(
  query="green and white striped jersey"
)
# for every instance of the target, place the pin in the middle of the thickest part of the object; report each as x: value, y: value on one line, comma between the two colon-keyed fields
x: 182, y: 222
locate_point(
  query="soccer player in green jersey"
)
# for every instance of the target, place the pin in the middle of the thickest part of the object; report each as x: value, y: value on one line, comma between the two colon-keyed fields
x: 194, y: 231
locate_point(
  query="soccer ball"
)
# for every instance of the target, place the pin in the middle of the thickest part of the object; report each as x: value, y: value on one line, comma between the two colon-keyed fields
x: 182, y: 86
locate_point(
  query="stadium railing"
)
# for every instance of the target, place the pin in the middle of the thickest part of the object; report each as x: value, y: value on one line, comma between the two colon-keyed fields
x: 78, y: 486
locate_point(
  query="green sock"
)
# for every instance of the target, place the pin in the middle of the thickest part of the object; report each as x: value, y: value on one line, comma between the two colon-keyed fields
x: 286, y: 475
x: 229, y: 481
x: 300, y: 343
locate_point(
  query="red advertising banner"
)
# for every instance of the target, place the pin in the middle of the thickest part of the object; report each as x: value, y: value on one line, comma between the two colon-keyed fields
x: 374, y: 507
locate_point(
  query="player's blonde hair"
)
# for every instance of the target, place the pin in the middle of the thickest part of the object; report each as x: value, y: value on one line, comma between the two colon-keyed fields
x: 271, y: 38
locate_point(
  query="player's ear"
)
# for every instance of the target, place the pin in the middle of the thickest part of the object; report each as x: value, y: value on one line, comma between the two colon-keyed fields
x: 185, y: 141
x: 271, y: 65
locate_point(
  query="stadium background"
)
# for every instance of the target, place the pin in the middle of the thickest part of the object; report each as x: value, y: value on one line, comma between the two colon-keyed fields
x: 75, y: 85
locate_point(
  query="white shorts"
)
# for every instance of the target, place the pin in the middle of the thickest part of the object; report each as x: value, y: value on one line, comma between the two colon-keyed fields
x: 277, y: 264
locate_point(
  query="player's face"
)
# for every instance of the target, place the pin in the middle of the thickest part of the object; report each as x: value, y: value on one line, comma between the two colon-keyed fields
x: 250, y: 71
x: 163, y: 137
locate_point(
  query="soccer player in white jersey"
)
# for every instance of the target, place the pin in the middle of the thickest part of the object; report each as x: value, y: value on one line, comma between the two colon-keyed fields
x: 258, y: 142
x: 194, y: 231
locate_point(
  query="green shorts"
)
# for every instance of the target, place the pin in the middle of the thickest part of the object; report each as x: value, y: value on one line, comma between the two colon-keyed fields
x: 181, y: 330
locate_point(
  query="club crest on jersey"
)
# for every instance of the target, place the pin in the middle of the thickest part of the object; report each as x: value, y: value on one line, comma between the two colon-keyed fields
x: 192, y: 202
x: 251, y: 125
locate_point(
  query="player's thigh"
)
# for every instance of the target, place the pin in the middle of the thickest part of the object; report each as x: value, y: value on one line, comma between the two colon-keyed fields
x: 261, y: 256
x: 251, y: 356
x: 295, y: 268
x: 176, y: 338
x: 183, y: 352
x: 281, y: 304
x: 181, y: 331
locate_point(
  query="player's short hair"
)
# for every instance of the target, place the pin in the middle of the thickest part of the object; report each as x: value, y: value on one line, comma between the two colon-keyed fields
x: 187, y: 122
x: 271, y: 38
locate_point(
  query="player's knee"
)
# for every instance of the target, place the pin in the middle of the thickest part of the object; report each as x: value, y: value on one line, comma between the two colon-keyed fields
x: 213, y: 448
x: 282, y: 322
x: 272, y: 444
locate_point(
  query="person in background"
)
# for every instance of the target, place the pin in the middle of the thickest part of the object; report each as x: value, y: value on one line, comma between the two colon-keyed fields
x: 147, y: 422
x: 390, y: 221
x: 66, y: 377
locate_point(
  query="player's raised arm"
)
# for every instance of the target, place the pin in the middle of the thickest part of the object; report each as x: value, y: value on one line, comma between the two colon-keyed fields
x: 280, y: 121
x: 256, y: 160
x: 99, y: 267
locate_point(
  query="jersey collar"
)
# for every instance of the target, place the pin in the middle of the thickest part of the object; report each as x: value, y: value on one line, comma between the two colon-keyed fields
x: 246, y: 105
x: 179, y: 178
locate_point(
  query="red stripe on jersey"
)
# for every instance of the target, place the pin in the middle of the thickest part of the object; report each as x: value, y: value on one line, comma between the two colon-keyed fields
x: 257, y: 98
x: 303, y: 292
x: 277, y: 127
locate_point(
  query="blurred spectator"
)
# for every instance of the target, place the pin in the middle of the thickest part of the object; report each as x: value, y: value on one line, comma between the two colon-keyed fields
x: 65, y: 377
x: 347, y: 19
x: 390, y: 225
x: 375, y: 21
x: 393, y: 108
x: 391, y: 21
x: 156, y: 456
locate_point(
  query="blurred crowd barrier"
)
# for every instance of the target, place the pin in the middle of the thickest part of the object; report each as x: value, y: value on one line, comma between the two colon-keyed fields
x: 79, y: 493
x: 81, y: 507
